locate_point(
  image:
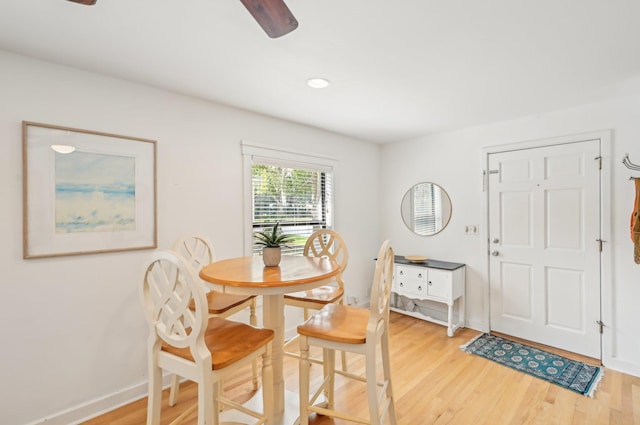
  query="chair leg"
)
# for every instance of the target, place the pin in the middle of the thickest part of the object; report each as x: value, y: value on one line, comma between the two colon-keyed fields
x: 174, y: 390
x: 208, y: 405
x: 254, y: 372
x: 329, y: 374
x: 344, y: 361
x: 344, y: 353
x: 253, y: 321
x: 329, y: 368
x: 220, y: 386
x: 304, y: 380
x: 372, y: 384
x: 386, y: 368
x: 155, y: 394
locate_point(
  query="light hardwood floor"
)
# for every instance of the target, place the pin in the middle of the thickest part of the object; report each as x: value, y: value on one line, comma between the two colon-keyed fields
x: 437, y: 383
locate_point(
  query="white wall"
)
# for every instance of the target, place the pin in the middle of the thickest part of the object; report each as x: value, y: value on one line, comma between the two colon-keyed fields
x: 72, y: 334
x: 455, y: 161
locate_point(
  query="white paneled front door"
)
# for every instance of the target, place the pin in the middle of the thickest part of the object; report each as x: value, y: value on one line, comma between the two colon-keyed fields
x: 544, y: 227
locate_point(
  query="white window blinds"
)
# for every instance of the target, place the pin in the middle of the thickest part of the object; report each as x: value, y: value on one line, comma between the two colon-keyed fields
x: 427, y: 209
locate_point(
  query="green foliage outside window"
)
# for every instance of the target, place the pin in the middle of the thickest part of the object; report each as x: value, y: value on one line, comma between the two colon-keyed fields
x: 299, y: 199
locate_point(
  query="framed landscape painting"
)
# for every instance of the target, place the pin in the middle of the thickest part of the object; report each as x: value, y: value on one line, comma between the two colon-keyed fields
x: 86, y: 192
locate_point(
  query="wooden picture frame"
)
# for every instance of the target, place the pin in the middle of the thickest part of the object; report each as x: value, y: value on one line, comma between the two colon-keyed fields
x: 86, y: 192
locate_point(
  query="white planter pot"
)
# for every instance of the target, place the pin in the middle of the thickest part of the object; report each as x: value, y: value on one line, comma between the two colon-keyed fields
x: 271, y: 256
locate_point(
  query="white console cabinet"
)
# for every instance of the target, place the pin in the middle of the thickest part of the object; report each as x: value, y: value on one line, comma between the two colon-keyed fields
x: 432, y: 280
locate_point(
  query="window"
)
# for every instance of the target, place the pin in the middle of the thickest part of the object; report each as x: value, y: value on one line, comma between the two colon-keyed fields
x: 293, y: 189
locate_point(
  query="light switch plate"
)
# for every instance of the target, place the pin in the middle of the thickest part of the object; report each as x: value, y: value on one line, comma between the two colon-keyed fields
x: 471, y: 229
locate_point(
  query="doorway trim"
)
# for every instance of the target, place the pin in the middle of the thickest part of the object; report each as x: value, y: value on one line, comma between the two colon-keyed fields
x: 606, y: 282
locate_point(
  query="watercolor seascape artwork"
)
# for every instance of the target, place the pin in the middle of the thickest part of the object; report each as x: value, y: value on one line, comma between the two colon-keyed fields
x: 94, y: 192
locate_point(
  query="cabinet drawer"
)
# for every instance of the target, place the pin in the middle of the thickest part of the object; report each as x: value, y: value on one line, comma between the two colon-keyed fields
x: 411, y: 273
x: 411, y: 281
x: 417, y: 289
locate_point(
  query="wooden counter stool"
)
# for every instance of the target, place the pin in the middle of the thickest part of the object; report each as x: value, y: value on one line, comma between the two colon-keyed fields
x: 356, y: 330
x: 187, y: 342
x: 198, y: 251
x: 322, y: 243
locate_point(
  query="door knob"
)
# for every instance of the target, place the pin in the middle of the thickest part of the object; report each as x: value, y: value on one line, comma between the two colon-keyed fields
x: 496, y: 240
x: 495, y: 253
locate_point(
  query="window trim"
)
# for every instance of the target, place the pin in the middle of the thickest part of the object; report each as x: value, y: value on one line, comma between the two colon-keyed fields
x: 274, y: 155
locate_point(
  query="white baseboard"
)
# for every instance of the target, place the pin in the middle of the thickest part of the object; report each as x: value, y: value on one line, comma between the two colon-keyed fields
x: 97, y: 407
x: 622, y: 366
x: 478, y: 325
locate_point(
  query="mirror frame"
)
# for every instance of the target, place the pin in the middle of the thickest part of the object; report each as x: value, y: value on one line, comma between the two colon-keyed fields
x: 406, y: 203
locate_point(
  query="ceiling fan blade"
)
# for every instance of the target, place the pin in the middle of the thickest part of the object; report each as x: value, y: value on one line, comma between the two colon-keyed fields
x: 274, y: 16
x: 87, y: 2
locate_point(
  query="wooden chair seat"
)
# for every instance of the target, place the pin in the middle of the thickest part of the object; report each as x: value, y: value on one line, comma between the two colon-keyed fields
x: 326, y: 294
x: 228, y: 342
x: 220, y: 302
x: 337, y: 322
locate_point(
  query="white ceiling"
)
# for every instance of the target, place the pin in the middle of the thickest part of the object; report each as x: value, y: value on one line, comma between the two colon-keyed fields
x: 399, y: 68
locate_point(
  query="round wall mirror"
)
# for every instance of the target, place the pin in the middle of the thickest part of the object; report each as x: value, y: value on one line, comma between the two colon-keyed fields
x: 426, y: 209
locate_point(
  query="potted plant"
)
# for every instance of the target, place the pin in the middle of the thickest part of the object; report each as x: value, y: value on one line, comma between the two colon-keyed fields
x: 272, y: 240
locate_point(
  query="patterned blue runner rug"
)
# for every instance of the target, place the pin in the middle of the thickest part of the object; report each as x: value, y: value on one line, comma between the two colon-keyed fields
x: 570, y: 374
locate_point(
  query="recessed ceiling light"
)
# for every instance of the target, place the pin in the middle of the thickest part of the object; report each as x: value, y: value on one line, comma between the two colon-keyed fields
x: 318, y: 83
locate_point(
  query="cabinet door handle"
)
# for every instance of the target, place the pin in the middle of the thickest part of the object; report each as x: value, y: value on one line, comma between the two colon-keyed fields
x: 401, y: 285
x: 430, y: 284
x: 401, y: 273
x: 420, y: 275
x: 420, y: 288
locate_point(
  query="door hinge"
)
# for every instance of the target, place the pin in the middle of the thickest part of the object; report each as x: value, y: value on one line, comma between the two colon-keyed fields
x: 600, y: 242
x: 599, y: 159
x: 601, y: 325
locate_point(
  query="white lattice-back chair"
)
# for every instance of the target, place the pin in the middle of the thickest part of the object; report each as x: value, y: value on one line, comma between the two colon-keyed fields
x: 184, y: 340
x: 356, y: 330
x: 198, y: 250
x: 322, y: 243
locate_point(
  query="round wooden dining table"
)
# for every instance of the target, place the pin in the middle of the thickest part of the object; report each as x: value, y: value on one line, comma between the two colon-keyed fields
x: 249, y: 276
